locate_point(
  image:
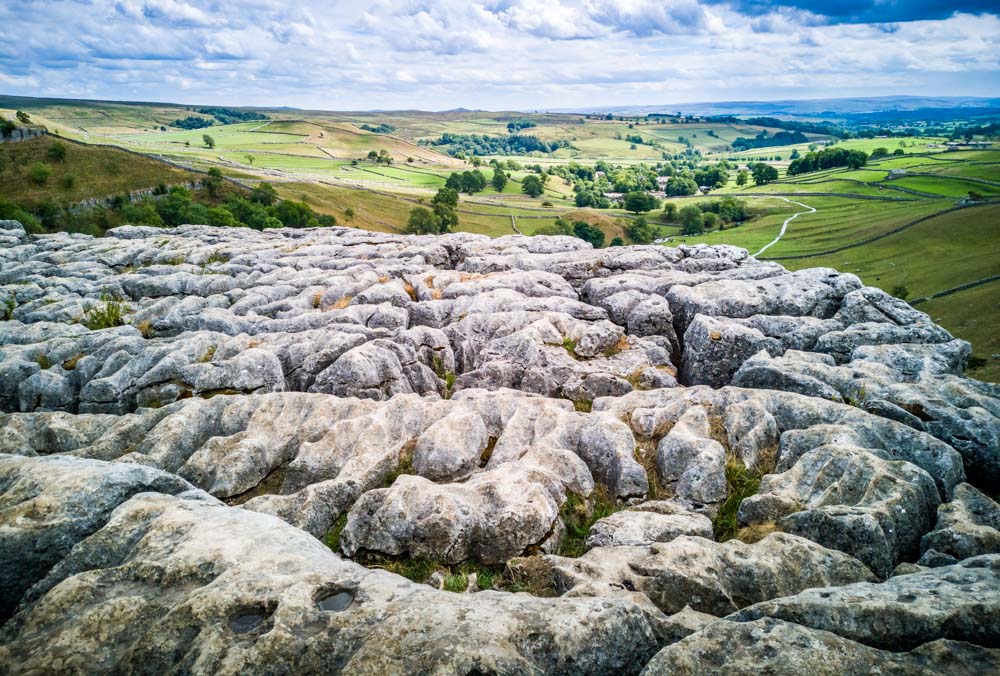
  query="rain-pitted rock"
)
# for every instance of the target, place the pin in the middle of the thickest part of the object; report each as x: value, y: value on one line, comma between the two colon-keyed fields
x: 711, y: 577
x: 170, y: 583
x: 49, y: 504
x: 690, y: 462
x: 776, y: 647
x: 959, y: 603
x: 967, y: 526
x: 715, y: 348
x: 851, y: 500
x: 640, y: 526
x: 963, y: 413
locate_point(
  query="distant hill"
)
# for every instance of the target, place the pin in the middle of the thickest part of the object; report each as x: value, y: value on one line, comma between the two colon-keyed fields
x: 825, y: 108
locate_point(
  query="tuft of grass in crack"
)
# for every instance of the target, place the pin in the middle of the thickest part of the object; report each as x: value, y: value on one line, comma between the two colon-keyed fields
x: 742, y: 483
x: 109, y: 313
x: 332, y: 538
x: 578, y: 514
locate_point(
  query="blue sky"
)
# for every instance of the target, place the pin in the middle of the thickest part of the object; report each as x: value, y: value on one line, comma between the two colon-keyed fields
x: 495, y: 54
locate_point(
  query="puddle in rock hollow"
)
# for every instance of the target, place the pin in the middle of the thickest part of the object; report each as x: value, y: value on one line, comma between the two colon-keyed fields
x: 336, y: 601
x: 245, y: 622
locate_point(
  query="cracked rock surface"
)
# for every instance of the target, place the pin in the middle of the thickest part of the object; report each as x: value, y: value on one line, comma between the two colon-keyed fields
x: 316, y: 451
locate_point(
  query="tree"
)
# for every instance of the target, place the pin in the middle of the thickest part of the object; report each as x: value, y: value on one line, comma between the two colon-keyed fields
x: 709, y: 220
x: 692, y: 220
x: 22, y: 117
x: 617, y: 241
x: 264, y: 193
x: 443, y: 205
x: 589, y: 233
x: 7, y: 127
x: 670, y: 211
x: 640, y: 201
x: 249, y: 158
x: 39, y: 173
x: 879, y: 152
x: 56, y: 152
x: 741, y: 177
x: 373, y: 155
x: 681, y: 185
x: 763, y: 173
x: 640, y: 232
x: 795, y: 154
x: 208, y: 140
x: 213, y: 182
x: 473, y: 181
x: 499, y: 181
x: 532, y: 186
x: 422, y: 222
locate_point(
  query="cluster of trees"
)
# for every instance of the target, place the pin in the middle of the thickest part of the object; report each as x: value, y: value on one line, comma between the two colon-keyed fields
x: 440, y: 218
x: 640, y: 201
x: 532, y: 185
x: 580, y: 229
x: 518, y: 125
x: 766, y: 140
x: 220, y: 115
x: 714, y: 177
x: 641, y: 231
x: 232, y: 116
x: 762, y: 173
x: 881, y: 152
x: 824, y: 128
x: 379, y: 129
x: 697, y: 218
x: 827, y: 159
x: 476, y: 144
x: 193, y: 122
x: 474, y: 181
x: 380, y: 157
x: 259, y: 209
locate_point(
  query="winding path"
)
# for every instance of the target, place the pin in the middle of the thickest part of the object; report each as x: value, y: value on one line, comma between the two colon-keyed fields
x: 784, y: 226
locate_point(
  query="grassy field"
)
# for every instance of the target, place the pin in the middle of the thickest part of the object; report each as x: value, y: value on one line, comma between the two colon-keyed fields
x: 973, y: 314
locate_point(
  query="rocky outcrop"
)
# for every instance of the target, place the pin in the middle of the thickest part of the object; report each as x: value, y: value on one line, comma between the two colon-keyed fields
x: 192, y: 418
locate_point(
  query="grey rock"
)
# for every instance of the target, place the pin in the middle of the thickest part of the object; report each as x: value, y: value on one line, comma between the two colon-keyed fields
x: 777, y: 647
x: 959, y: 603
x: 714, y: 350
x: 967, y: 526
x: 710, y: 577
x: 690, y: 462
x: 849, y: 499
x: 634, y: 528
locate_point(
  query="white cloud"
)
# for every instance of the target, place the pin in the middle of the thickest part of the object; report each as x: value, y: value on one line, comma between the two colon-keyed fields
x: 481, y: 53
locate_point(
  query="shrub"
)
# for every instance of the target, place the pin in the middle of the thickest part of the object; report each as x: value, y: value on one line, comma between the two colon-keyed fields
x: 68, y: 181
x: 109, y: 313
x: 56, y: 152
x: 40, y: 173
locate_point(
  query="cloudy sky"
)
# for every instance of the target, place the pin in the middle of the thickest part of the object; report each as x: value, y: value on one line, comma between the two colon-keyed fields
x: 495, y: 54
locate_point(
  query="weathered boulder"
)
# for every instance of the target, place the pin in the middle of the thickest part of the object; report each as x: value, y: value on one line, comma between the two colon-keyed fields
x: 690, y: 462
x: 48, y: 504
x: 710, y: 577
x: 967, y: 526
x: 778, y: 647
x: 852, y: 500
x: 647, y: 523
x: 715, y: 348
x: 958, y: 603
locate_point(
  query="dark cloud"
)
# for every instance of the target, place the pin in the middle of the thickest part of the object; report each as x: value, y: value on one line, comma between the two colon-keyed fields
x: 866, y: 11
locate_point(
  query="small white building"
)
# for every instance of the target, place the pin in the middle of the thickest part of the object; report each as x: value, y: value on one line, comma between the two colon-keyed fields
x: 896, y: 173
